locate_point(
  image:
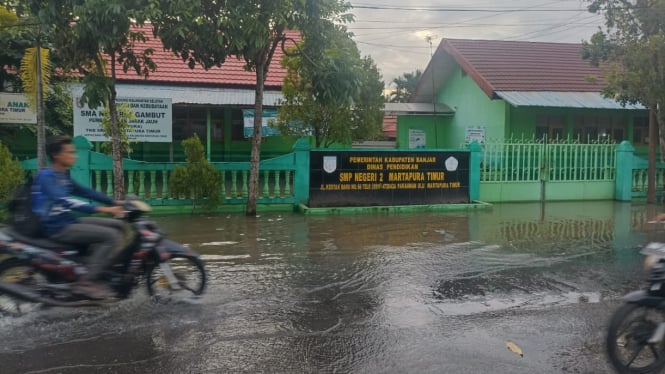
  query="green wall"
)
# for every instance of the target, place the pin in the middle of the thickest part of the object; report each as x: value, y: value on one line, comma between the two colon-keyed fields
x: 472, y: 108
x: 433, y: 126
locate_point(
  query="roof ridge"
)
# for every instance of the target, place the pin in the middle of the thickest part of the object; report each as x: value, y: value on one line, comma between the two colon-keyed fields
x: 511, y: 41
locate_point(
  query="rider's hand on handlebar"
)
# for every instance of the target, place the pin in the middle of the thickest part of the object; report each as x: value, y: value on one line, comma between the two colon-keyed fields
x: 116, y: 211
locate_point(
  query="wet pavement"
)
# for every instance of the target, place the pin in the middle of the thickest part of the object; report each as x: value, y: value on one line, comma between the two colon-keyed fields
x: 402, y: 293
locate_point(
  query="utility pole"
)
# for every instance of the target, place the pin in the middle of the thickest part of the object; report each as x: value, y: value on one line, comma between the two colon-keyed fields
x: 429, y: 38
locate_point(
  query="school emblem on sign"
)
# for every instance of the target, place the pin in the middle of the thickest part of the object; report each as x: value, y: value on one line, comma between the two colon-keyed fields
x: 451, y: 164
x: 329, y: 164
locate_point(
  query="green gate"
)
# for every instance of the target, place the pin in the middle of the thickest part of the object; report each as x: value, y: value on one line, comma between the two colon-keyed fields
x: 522, y: 170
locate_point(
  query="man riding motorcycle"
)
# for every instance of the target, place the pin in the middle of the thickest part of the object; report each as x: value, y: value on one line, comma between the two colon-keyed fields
x: 53, y: 203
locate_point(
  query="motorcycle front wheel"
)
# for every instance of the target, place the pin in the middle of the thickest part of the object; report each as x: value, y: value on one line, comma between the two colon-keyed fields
x: 628, y: 346
x: 187, y: 271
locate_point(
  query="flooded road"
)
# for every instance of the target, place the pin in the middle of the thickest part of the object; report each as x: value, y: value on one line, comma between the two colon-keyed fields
x: 402, y: 293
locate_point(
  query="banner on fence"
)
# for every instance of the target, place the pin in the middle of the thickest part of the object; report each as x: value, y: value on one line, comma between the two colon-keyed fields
x: 361, y: 178
x: 14, y: 108
x: 152, y: 122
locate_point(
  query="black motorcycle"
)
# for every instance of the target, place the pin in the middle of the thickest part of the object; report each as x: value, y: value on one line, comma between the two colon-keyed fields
x: 39, y: 271
x: 635, y: 340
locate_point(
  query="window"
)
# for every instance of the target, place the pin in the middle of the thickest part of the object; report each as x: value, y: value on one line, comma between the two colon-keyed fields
x: 592, y: 128
x: 188, y: 121
x: 550, y: 127
x: 237, y: 125
x: 641, y: 130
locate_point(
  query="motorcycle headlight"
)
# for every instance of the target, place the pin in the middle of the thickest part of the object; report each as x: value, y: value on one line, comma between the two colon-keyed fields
x: 650, y: 261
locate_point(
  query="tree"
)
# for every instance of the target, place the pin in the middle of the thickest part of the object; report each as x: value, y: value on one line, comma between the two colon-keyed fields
x: 94, y: 38
x: 35, y: 76
x: 632, y: 50
x: 206, y: 32
x: 330, y: 92
x: 367, y: 115
x: 14, y: 39
x: 405, y: 85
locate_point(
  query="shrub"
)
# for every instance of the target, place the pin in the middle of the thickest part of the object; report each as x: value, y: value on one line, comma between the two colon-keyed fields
x: 198, y: 180
x: 10, y: 177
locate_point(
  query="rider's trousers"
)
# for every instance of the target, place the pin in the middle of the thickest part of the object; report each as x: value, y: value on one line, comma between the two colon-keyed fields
x: 101, y: 235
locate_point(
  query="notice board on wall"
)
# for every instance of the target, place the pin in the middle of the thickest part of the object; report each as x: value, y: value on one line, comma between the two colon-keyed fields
x: 369, y: 178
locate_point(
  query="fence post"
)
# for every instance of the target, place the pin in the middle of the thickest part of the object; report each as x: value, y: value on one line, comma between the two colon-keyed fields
x: 474, y: 170
x: 80, y: 172
x: 301, y: 176
x: 624, y: 175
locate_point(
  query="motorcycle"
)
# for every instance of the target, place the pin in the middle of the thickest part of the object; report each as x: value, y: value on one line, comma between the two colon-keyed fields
x: 40, y: 271
x: 635, y: 338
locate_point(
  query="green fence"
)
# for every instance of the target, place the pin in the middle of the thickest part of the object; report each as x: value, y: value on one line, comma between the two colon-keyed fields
x: 530, y: 170
x: 639, y: 175
x: 280, y: 182
x: 500, y: 172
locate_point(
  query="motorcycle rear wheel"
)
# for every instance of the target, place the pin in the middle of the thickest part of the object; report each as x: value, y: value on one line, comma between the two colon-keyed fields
x: 628, y: 349
x: 189, y: 272
x: 16, y: 271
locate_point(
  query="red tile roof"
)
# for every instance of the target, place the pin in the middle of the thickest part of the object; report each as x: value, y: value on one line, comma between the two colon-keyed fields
x: 524, y: 66
x: 172, y: 70
x: 390, y: 126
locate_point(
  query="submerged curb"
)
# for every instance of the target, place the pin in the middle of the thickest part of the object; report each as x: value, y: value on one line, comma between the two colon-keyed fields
x: 475, y: 205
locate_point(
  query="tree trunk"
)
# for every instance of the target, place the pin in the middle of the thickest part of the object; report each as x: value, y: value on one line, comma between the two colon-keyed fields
x: 41, y: 132
x: 256, y: 141
x: 653, y: 143
x: 118, y: 172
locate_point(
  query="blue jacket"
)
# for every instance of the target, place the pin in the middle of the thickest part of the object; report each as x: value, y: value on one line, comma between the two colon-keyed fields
x: 52, y: 200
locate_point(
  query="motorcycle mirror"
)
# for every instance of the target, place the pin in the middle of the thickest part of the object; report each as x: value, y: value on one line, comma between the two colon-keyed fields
x: 140, y: 205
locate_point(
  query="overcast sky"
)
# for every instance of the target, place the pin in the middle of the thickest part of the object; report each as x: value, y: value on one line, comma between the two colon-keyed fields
x: 397, y: 38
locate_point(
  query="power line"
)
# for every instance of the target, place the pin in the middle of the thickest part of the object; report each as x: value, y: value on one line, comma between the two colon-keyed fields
x: 442, y: 25
x: 481, y: 10
x: 477, y: 10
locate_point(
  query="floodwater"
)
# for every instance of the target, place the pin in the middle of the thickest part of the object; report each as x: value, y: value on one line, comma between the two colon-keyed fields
x: 393, y: 293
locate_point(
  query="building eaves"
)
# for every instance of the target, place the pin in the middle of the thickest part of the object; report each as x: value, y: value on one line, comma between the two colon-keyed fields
x: 582, y: 100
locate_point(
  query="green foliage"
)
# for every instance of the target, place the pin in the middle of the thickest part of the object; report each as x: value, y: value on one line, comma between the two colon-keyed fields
x: 199, y: 180
x: 14, y: 39
x: 330, y: 92
x: 405, y: 85
x: 11, y: 176
x: 631, y: 52
x: 59, y: 110
x: 125, y: 115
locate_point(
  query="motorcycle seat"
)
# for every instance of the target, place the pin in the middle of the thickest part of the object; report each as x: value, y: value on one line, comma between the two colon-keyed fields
x: 43, y: 243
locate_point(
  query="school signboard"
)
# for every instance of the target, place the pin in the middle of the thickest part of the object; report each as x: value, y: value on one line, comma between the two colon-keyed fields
x: 14, y: 108
x: 152, y: 123
x: 362, y: 178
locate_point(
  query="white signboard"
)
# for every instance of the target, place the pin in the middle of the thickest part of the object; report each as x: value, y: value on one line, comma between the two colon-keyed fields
x: 475, y: 133
x: 417, y: 139
x: 14, y: 108
x: 153, y: 122
x: 266, y: 129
